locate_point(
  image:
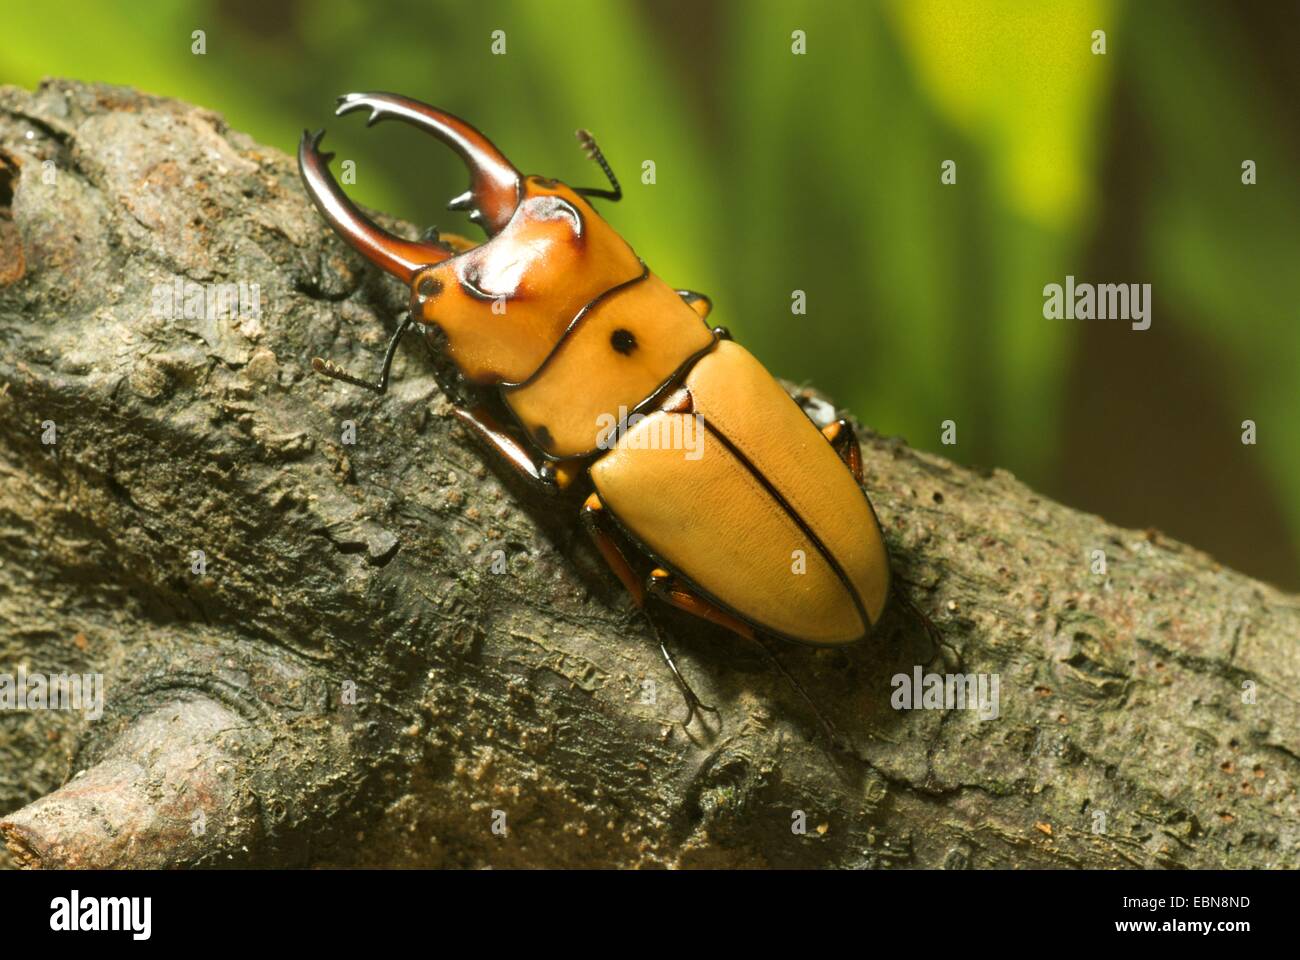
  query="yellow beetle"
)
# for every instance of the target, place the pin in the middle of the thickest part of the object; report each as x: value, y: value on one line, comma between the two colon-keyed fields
x: 711, y: 488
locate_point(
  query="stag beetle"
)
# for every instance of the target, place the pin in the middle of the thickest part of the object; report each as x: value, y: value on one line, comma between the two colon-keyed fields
x: 559, y: 328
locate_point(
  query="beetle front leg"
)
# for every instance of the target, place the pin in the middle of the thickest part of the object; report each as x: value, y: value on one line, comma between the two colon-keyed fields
x: 329, y: 368
x: 555, y: 476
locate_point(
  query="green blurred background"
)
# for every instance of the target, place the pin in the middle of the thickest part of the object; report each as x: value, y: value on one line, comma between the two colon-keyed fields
x: 821, y: 172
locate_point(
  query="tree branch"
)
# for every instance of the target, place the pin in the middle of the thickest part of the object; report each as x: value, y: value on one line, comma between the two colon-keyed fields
x: 340, y: 678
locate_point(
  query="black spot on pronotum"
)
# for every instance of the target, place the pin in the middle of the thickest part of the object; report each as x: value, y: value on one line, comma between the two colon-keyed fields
x: 623, y: 341
x: 543, y: 437
x: 428, y: 287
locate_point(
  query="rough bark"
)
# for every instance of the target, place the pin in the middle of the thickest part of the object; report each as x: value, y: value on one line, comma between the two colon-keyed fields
x: 331, y: 564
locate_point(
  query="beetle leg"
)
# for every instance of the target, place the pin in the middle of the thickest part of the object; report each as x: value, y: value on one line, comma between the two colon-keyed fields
x: 329, y: 368
x: 938, y: 646
x: 596, y: 521
x: 663, y: 584
x: 698, y: 302
x: 845, y: 441
x: 693, y: 702
x: 831, y: 735
x: 598, y: 526
x: 553, y: 476
x: 593, y: 151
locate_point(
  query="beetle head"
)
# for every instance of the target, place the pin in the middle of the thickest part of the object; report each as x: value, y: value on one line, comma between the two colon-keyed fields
x: 502, y: 305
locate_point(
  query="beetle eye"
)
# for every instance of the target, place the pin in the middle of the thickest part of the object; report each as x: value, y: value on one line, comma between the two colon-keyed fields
x: 428, y: 287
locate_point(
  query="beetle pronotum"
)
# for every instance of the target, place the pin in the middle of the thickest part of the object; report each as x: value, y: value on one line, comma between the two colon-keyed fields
x: 556, y: 324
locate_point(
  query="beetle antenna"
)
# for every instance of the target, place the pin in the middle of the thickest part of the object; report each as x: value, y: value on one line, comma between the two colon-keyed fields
x: 589, y: 145
x: 328, y: 368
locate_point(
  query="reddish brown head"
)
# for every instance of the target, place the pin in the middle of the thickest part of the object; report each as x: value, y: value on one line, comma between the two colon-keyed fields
x: 502, y: 305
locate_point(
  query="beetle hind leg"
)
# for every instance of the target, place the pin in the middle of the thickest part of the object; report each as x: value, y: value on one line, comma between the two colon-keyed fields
x: 940, y: 649
x: 665, y: 586
x: 693, y: 703
x: 832, y: 735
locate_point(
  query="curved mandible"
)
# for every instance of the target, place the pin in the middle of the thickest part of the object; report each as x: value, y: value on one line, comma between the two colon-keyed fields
x: 402, y: 258
x: 495, y: 184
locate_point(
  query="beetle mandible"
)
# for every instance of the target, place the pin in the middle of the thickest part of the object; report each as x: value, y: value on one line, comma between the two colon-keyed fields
x: 557, y: 326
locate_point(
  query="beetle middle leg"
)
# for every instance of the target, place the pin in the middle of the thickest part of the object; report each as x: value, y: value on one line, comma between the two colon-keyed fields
x: 699, y: 302
x: 597, y: 523
x: 845, y: 442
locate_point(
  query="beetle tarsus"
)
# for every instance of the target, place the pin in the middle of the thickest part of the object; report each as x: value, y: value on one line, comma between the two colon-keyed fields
x: 694, y: 704
x: 593, y: 151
